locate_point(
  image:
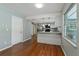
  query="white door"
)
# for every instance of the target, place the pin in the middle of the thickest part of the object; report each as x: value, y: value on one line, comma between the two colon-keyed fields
x: 17, y: 30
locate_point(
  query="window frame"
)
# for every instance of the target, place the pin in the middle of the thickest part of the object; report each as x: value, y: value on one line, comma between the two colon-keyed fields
x: 65, y: 37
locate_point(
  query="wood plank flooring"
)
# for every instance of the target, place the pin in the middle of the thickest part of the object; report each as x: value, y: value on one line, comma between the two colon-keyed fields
x: 28, y: 48
x: 47, y: 50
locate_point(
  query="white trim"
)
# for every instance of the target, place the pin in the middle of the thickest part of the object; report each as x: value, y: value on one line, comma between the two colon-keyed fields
x: 12, y: 45
x: 26, y: 39
x: 6, y: 48
x: 73, y: 44
x: 16, y: 43
x: 63, y: 51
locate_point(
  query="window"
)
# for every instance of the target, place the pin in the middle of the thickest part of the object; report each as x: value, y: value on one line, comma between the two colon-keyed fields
x: 70, y: 23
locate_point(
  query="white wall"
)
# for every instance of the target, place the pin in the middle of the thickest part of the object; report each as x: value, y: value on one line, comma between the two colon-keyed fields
x: 68, y: 48
x: 5, y: 27
x: 27, y: 30
x: 5, y: 23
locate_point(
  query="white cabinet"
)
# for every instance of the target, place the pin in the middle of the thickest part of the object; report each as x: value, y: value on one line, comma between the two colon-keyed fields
x: 54, y: 39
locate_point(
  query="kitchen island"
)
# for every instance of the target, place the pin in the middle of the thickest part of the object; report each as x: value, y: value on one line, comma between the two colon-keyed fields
x: 49, y: 38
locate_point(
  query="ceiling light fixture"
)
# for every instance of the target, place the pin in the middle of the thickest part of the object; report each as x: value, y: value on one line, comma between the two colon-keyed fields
x: 38, y: 5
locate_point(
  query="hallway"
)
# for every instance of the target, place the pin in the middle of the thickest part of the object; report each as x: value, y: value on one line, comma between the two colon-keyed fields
x: 29, y: 30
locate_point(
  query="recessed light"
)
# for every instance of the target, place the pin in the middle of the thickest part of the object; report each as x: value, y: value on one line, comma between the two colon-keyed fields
x: 38, y: 5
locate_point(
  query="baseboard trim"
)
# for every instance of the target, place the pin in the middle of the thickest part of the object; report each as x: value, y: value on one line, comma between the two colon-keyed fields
x: 13, y: 45
x: 26, y: 39
x: 6, y: 48
x: 63, y: 51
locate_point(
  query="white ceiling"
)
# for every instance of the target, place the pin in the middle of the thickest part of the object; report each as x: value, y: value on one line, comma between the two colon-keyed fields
x: 28, y: 9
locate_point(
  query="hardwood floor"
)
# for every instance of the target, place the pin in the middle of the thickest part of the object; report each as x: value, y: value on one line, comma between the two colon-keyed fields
x: 47, y: 50
x: 31, y: 48
x: 18, y: 49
